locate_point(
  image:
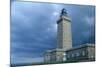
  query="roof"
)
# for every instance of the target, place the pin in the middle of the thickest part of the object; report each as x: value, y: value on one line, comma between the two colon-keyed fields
x: 82, y: 46
x: 78, y: 47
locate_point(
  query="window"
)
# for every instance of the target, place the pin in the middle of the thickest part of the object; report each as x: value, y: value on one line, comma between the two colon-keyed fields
x: 58, y: 58
x: 72, y: 55
x: 91, y: 56
x: 68, y: 56
x: 83, y: 53
x: 77, y: 54
x: 64, y: 56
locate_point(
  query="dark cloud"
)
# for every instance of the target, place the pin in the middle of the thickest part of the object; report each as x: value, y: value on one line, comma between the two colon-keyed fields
x: 34, y: 28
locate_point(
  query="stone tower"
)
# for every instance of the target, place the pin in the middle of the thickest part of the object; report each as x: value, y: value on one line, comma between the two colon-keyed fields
x: 64, y: 37
x: 64, y: 40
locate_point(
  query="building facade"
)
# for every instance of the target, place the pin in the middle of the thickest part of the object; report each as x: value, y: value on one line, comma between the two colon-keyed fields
x: 85, y: 52
x: 56, y: 55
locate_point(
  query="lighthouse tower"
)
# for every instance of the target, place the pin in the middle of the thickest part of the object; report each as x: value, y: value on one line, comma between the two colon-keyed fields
x: 64, y: 36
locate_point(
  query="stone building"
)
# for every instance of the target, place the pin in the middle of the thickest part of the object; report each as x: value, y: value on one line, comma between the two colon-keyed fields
x: 85, y: 52
x: 64, y: 51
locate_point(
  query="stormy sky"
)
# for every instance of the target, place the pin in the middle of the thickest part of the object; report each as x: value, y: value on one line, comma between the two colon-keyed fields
x: 34, y: 28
